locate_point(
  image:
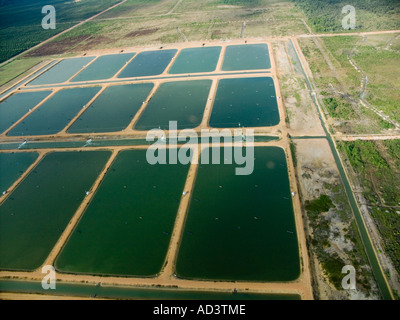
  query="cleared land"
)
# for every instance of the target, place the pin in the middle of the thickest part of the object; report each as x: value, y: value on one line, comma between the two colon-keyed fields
x: 357, y: 81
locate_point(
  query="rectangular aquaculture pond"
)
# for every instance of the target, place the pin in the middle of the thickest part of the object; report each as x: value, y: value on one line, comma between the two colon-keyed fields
x: 34, y: 216
x: 181, y: 101
x: 148, y: 63
x: 62, y: 71
x: 127, y: 227
x: 16, y: 106
x: 246, y: 57
x: 55, y: 114
x: 12, y: 166
x: 245, y: 102
x: 113, y: 110
x: 241, y: 227
x: 104, y: 67
x: 193, y: 60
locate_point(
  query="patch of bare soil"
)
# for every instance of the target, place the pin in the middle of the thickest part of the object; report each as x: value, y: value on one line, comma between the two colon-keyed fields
x: 217, y: 34
x: 141, y: 32
x: 57, y: 47
x: 93, y: 42
x: 317, y: 174
x: 302, y: 118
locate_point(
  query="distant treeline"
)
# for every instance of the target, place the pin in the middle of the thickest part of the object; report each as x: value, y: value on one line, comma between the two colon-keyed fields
x: 20, y: 21
x: 326, y: 15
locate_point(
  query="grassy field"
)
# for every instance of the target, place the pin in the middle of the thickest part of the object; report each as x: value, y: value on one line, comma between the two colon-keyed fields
x: 21, y: 21
x: 17, y: 67
x: 138, y: 22
x: 377, y: 167
x: 341, y: 84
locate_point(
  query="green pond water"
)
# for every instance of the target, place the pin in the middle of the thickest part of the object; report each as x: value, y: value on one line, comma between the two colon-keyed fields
x: 193, y: 60
x: 127, y: 227
x: 62, y: 71
x: 241, y: 227
x: 55, y: 113
x: 85, y: 290
x: 12, y: 166
x: 113, y: 110
x: 148, y: 63
x: 103, y: 67
x: 246, y: 57
x: 181, y: 101
x: 14, y: 107
x: 245, y: 102
x: 34, y: 216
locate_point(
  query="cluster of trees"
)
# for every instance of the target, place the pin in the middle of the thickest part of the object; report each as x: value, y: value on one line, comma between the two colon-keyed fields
x: 326, y: 15
x: 21, y: 21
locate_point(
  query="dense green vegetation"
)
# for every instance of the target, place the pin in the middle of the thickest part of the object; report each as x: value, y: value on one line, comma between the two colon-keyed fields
x: 377, y: 167
x: 389, y: 226
x: 363, y: 154
x: 322, y: 204
x: 339, y: 108
x: 333, y: 265
x: 326, y: 15
x: 21, y: 21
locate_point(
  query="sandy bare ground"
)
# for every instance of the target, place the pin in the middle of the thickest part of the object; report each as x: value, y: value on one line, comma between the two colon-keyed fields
x: 367, y: 137
x: 302, y: 117
x: 365, y: 33
x: 166, y: 278
x: 30, y: 296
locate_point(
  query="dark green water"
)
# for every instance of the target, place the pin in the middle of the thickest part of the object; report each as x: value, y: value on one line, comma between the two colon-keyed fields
x: 12, y: 166
x: 250, y: 102
x: 148, y: 63
x: 55, y: 113
x: 181, y: 101
x: 62, y: 71
x: 14, y: 107
x: 241, y: 227
x: 104, y: 67
x: 127, y: 227
x: 167, y: 77
x: 113, y: 110
x: 37, y: 212
x: 246, y: 57
x: 85, y: 290
x: 193, y: 60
